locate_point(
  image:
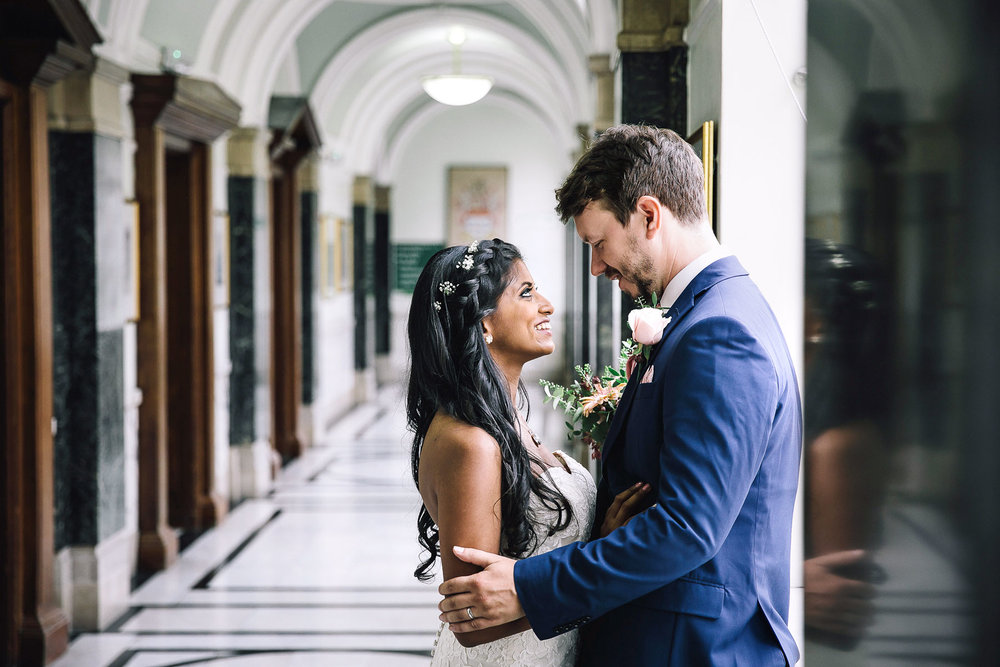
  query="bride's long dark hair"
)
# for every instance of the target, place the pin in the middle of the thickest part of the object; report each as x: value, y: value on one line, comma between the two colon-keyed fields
x: 451, y: 370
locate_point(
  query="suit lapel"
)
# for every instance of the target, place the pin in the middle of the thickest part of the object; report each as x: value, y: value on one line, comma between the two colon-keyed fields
x: 727, y: 267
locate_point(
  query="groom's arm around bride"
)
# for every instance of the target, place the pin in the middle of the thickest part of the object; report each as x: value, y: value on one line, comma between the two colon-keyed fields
x: 713, y: 422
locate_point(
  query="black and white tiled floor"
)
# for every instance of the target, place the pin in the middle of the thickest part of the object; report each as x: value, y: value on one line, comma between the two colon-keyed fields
x: 316, y: 574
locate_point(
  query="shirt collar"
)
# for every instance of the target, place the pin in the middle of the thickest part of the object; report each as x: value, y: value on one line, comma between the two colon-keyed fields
x: 688, y: 273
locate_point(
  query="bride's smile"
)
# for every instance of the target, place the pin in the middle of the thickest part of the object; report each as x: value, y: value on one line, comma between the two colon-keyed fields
x: 520, y: 327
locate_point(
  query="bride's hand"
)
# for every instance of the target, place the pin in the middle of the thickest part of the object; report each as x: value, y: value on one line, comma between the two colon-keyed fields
x: 627, y: 504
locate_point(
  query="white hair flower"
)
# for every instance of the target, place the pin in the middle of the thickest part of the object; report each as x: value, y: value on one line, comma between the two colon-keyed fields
x: 468, y: 261
x: 447, y: 288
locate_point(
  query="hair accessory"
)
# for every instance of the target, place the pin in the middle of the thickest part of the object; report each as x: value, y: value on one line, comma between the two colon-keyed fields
x: 447, y: 288
x: 489, y: 337
x: 437, y: 306
x: 468, y: 261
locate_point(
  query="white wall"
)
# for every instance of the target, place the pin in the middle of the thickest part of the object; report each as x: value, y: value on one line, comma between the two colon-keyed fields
x: 487, y: 133
x: 761, y: 145
x: 762, y: 151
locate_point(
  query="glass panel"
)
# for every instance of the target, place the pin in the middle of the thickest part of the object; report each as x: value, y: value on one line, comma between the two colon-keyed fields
x: 886, y: 321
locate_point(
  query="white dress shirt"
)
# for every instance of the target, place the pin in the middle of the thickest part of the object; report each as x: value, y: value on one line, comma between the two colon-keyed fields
x: 688, y: 273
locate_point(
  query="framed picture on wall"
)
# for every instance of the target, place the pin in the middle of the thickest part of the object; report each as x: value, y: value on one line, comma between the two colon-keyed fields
x: 220, y: 259
x: 132, y: 260
x: 477, y: 203
x: 703, y: 140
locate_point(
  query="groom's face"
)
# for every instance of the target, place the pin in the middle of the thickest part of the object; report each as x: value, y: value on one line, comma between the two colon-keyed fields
x: 617, y: 252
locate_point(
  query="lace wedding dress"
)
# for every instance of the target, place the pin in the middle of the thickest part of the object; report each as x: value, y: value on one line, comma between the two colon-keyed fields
x: 525, y: 649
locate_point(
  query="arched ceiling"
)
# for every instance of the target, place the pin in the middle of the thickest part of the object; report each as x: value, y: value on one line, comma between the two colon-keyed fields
x: 360, y: 62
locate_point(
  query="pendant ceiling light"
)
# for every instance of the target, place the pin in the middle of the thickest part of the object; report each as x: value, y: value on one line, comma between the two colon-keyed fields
x: 457, y: 89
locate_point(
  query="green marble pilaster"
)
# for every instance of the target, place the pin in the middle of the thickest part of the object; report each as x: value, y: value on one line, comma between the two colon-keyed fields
x: 308, y: 203
x: 88, y: 366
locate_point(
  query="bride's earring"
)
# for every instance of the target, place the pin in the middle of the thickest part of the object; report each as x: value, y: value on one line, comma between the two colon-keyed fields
x: 489, y: 337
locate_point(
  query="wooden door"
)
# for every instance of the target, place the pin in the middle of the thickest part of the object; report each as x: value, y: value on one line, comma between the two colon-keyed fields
x: 286, y: 334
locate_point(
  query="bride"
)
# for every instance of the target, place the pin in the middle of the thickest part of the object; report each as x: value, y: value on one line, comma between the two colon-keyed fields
x: 486, y: 481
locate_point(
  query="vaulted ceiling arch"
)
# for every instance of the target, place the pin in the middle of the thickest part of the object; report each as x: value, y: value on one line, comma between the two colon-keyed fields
x: 381, y: 68
x: 536, y: 52
x: 245, y: 49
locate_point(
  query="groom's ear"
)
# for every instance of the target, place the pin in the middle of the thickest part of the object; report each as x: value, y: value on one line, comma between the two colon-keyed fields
x: 652, y: 212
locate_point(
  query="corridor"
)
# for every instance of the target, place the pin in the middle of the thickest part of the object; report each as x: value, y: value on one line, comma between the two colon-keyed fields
x: 317, y: 573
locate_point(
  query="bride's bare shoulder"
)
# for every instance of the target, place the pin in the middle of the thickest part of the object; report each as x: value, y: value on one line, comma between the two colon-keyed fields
x: 453, y: 437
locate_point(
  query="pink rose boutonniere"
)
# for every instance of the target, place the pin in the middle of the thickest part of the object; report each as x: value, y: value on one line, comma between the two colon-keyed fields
x: 647, y: 324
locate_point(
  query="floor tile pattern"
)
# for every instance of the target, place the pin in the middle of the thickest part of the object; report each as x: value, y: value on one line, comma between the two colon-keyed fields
x: 317, y: 574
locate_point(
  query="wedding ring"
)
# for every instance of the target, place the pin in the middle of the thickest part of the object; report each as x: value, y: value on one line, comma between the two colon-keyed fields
x: 469, y: 610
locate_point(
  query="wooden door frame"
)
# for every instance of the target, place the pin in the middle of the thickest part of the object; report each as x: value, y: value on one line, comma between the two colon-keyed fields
x: 42, y: 628
x: 193, y: 501
x: 10, y: 586
x: 35, y: 628
x: 180, y: 111
x: 286, y: 309
x: 295, y: 136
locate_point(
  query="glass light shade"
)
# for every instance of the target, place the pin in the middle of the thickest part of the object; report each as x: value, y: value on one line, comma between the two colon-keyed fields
x: 457, y: 89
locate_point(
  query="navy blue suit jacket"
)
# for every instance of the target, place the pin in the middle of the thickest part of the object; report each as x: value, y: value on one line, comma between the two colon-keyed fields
x: 701, y: 578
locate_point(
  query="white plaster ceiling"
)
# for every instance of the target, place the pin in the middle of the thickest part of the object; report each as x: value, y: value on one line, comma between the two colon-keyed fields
x: 360, y: 62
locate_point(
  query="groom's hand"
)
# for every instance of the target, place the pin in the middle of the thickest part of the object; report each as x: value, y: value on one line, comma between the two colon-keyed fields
x: 489, y: 594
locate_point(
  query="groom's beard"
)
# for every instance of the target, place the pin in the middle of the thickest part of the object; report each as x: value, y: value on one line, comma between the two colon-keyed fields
x: 637, y: 271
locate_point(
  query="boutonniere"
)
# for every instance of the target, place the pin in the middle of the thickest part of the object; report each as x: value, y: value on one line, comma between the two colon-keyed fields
x: 647, y: 324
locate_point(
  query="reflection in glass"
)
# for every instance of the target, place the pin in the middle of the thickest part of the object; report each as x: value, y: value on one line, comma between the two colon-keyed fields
x: 887, y: 552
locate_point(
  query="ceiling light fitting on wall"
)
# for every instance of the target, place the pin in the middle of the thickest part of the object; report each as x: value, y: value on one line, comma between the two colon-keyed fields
x: 457, y: 89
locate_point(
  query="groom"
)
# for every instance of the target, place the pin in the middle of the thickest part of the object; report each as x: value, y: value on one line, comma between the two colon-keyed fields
x: 712, y: 421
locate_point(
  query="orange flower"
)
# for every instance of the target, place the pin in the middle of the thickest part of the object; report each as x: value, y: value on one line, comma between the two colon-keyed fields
x: 601, y: 396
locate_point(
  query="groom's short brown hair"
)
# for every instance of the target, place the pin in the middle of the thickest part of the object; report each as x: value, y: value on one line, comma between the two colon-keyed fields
x: 628, y: 161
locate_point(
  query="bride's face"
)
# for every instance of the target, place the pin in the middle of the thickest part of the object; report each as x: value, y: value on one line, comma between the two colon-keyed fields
x: 520, y: 325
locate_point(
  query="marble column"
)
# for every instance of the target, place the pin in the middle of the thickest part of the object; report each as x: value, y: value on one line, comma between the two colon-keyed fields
x: 308, y: 208
x: 250, y: 454
x: 654, y: 63
x: 383, y: 313
x: 604, y: 77
x: 362, y: 212
x: 91, y: 275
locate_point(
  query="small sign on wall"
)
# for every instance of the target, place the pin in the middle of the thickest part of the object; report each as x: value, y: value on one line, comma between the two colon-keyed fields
x: 477, y: 203
x: 409, y: 260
